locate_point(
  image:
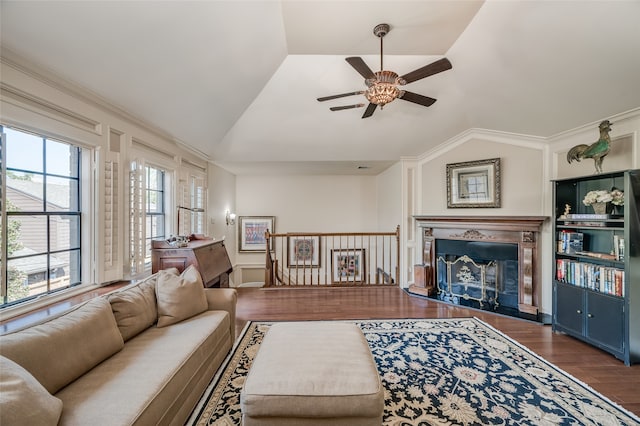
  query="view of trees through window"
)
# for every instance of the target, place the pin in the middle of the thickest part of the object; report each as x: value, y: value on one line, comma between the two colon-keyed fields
x: 40, y: 215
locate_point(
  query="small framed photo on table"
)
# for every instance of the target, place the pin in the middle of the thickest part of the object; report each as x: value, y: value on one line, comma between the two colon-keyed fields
x: 474, y: 184
x: 251, y: 232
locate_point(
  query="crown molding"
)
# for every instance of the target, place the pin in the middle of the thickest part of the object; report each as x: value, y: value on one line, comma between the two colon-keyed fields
x: 515, y: 139
x: 626, y: 115
x: 48, y: 77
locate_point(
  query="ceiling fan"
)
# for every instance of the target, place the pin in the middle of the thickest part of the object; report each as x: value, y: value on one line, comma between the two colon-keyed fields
x: 382, y: 86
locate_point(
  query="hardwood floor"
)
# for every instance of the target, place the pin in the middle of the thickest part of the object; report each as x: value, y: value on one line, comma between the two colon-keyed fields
x: 592, y: 366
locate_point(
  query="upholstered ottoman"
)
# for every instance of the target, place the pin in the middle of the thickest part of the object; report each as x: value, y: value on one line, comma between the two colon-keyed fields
x: 313, y: 373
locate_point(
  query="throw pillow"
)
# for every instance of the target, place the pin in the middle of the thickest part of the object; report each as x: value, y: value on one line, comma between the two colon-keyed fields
x: 23, y: 400
x: 63, y: 348
x: 134, y: 308
x: 179, y: 297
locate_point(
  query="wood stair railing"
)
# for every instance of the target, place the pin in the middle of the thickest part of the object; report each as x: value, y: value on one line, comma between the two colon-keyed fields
x: 333, y: 259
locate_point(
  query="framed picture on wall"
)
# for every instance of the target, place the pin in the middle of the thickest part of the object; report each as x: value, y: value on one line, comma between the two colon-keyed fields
x: 474, y: 184
x: 303, y: 251
x: 251, y: 232
x: 347, y: 266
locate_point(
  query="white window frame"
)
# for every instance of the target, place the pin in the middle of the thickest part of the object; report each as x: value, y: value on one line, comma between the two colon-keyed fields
x: 192, y: 209
x: 88, y: 242
x: 142, y: 156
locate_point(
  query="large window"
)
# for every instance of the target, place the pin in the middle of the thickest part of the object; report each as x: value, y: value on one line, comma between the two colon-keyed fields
x: 40, y: 222
x: 154, y: 208
x: 148, y: 219
x: 191, y: 209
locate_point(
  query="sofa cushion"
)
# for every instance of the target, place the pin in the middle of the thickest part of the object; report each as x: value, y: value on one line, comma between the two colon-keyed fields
x: 153, y: 377
x: 23, y: 400
x: 134, y: 306
x: 60, y: 349
x: 179, y: 297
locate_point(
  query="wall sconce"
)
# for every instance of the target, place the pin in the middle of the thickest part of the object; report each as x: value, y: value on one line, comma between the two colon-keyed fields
x: 231, y: 218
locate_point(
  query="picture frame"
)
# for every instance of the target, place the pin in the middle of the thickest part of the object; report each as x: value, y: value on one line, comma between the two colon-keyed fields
x: 474, y: 184
x: 251, y: 230
x: 348, y: 266
x: 303, y: 251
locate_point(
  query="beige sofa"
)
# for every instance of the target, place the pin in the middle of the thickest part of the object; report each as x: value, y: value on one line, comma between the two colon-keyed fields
x: 141, y: 355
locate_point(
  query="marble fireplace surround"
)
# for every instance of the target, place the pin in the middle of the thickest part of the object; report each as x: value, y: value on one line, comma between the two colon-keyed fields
x: 521, y: 230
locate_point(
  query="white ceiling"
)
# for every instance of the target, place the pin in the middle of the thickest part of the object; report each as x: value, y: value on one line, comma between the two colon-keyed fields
x: 238, y: 80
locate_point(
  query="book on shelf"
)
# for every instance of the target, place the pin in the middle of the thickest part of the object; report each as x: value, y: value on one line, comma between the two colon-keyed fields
x: 618, y: 247
x: 570, y: 242
x: 606, y: 256
x: 590, y: 216
x: 603, y: 279
x: 587, y: 224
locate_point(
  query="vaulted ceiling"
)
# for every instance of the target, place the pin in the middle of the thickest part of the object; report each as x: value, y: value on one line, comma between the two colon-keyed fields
x: 238, y: 80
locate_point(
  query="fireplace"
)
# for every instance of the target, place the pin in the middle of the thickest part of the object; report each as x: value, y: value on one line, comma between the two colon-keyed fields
x: 484, y: 262
x: 477, y: 274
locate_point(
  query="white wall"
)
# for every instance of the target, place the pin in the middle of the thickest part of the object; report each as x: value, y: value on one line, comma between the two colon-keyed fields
x: 389, y: 198
x: 221, y: 197
x: 522, y: 174
x: 310, y: 203
x: 307, y: 204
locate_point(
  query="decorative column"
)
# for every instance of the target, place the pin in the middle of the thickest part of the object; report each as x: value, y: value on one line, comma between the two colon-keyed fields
x: 424, y: 273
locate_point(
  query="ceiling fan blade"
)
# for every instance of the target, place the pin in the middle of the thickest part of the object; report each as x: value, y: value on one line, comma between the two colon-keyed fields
x: 342, y: 95
x: 359, y: 65
x: 417, y: 99
x: 370, y: 109
x: 431, y: 69
x: 340, y: 108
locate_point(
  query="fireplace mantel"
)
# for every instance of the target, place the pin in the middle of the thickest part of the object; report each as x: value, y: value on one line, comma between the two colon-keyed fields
x: 521, y: 230
x: 507, y: 223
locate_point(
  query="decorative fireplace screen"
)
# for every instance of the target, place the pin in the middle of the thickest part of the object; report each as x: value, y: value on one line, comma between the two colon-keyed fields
x: 464, y: 278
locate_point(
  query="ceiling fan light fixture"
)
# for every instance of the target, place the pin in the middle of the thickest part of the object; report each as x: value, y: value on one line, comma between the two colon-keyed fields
x: 383, y: 89
x: 382, y: 86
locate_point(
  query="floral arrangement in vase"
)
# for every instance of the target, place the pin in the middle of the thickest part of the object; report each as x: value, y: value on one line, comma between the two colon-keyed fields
x: 603, y: 201
x: 617, y: 197
x: 599, y: 196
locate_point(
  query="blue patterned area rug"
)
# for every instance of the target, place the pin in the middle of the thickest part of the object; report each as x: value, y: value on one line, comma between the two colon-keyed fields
x: 440, y: 372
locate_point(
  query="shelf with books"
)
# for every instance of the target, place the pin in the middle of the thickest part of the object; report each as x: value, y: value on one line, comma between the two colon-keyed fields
x: 586, y: 243
x: 596, y: 269
x: 598, y: 258
x: 600, y: 278
x: 599, y: 224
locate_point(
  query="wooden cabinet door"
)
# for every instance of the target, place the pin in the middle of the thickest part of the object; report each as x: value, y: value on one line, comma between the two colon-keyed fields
x: 605, y: 320
x: 569, y: 309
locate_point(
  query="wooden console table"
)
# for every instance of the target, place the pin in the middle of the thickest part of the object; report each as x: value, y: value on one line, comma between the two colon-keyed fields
x: 209, y: 256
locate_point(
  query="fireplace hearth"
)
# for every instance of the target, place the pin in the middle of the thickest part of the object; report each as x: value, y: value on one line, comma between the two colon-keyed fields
x: 487, y: 262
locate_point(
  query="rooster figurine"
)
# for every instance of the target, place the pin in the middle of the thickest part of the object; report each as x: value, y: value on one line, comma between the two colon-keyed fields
x: 597, y: 150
